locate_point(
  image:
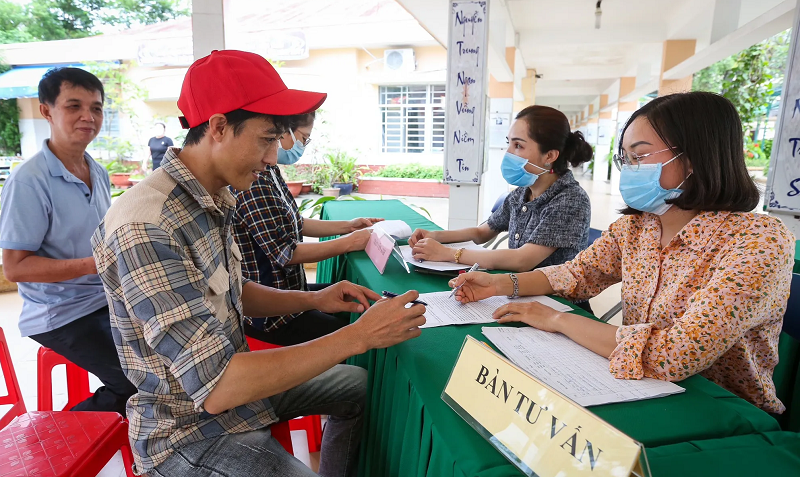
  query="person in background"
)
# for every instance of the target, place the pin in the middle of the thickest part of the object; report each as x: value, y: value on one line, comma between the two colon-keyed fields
x: 158, y: 144
x: 52, y: 203
x: 704, y: 280
x: 269, y: 230
x: 547, y: 216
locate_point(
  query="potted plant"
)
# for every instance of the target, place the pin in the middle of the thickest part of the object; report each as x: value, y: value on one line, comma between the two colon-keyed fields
x: 120, y: 174
x: 293, y: 180
x: 344, y: 171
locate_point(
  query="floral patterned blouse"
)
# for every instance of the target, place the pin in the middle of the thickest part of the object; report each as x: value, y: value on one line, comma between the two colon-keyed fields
x: 710, y: 302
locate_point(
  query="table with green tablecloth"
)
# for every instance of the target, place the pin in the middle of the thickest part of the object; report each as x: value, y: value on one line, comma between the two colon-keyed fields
x: 796, y: 257
x: 410, y: 431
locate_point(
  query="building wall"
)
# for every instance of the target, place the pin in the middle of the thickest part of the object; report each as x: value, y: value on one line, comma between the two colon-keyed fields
x: 32, y: 125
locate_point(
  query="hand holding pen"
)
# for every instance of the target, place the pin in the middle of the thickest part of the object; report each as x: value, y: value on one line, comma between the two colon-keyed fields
x: 471, y: 269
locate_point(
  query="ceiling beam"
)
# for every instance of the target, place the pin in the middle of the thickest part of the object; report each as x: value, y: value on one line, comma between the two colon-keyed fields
x: 770, y: 23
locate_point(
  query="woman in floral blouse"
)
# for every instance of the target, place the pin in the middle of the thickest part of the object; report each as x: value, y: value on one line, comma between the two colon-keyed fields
x: 704, y: 280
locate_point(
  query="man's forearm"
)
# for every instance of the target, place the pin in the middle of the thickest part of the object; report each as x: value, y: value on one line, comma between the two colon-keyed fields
x: 258, y: 300
x: 261, y: 374
x: 36, y: 269
x: 325, y: 228
x: 314, y: 252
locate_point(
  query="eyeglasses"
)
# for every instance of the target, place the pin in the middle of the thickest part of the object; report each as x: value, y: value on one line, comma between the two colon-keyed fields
x: 632, y: 159
x: 304, y: 141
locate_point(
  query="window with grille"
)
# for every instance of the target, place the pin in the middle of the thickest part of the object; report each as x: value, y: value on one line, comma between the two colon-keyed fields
x: 412, y: 118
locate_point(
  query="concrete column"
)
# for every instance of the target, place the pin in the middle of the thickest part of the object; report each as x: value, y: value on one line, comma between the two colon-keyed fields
x: 674, y: 53
x: 726, y: 18
x: 501, y: 109
x: 208, y: 26
x: 32, y: 125
x: 529, y: 90
x: 624, y: 112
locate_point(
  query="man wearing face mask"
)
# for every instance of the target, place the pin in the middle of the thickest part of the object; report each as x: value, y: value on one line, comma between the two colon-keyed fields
x: 269, y: 230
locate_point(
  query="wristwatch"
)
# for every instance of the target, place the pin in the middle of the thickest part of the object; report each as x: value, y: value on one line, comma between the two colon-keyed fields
x: 457, y: 256
x: 514, y: 280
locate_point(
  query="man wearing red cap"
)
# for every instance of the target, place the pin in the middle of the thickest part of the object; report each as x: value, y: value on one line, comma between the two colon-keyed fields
x: 172, y: 272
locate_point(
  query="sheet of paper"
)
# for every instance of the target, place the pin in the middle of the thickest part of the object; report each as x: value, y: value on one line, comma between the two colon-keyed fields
x: 443, y: 310
x: 396, y: 228
x: 441, y: 266
x: 571, y: 369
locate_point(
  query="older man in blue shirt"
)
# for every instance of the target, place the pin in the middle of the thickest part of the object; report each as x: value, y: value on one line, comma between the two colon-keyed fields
x: 52, y: 203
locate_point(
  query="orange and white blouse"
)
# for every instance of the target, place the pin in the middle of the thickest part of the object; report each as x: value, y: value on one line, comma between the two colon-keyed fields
x: 711, y: 302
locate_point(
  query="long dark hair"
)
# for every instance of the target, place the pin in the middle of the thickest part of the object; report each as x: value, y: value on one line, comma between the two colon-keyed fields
x: 550, y: 129
x: 706, y: 128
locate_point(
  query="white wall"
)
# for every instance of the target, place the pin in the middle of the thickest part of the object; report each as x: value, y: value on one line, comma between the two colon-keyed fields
x: 33, y: 131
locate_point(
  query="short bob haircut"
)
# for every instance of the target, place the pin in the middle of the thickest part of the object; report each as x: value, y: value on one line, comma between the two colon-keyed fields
x: 706, y: 129
x: 50, y: 84
x: 236, y: 120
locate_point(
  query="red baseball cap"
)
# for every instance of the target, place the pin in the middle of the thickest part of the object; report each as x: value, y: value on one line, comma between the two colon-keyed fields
x: 227, y: 80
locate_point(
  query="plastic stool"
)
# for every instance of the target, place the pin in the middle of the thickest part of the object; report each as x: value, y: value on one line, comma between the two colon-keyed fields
x: 13, y: 395
x: 56, y: 444
x: 281, y: 433
x: 311, y: 424
x: 77, y: 380
x: 50, y: 444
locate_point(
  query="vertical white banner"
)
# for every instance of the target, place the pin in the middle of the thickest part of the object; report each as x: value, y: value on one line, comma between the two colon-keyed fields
x: 783, y: 182
x: 467, y: 82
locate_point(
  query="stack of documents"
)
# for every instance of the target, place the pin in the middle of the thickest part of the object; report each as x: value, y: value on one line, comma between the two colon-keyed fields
x: 571, y: 369
x: 444, y: 310
x: 397, y: 229
x: 406, y: 251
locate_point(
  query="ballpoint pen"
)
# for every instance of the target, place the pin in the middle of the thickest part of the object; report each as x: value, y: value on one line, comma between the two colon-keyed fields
x: 389, y: 294
x: 471, y: 269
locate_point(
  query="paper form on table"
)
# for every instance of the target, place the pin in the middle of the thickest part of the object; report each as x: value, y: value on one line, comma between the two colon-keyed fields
x: 443, y: 310
x: 571, y: 369
x: 440, y: 266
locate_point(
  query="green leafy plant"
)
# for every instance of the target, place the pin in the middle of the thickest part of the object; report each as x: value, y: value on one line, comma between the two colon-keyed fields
x: 293, y: 173
x: 315, y: 206
x: 117, y: 167
x: 409, y: 171
x: 753, y: 154
x: 343, y: 167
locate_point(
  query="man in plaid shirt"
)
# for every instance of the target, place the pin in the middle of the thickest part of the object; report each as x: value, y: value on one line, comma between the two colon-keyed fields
x: 269, y: 230
x: 172, y: 274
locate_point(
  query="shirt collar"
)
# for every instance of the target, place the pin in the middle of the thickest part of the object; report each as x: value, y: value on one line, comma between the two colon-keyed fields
x: 560, y: 184
x: 54, y: 164
x: 173, y: 166
x: 701, y: 228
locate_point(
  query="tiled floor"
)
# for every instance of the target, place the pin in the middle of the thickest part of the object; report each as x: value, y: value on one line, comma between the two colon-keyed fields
x: 23, y: 350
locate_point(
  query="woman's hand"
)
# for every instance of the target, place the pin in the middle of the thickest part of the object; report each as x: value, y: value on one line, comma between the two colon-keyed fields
x: 533, y: 314
x: 362, y: 223
x: 477, y: 286
x: 430, y: 249
x: 418, y: 235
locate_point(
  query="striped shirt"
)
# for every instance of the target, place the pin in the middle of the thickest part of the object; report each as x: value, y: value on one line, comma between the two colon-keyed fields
x: 172, y: 274
x: 268, y: 226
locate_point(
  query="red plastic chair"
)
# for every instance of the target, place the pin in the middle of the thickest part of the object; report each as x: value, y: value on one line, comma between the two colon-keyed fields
x: 311, y: 424
x: 77, y: 380
x: 281, y: 433
x: 58, y: 444
x: 13, y: 395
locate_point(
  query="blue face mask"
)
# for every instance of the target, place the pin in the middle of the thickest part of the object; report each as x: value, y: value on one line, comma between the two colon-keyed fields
x: 513, y: 169
x: 641, y: 189
x: 292, y: 155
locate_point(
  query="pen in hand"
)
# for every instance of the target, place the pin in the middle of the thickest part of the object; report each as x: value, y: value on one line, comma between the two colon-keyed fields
x: 471, y: 269
x: 389, y: 294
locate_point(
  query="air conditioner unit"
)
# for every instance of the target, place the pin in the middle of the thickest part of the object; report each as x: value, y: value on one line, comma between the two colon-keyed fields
x: 399, y: 60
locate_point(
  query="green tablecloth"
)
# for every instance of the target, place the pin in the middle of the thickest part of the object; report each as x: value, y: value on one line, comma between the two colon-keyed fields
x: 410, y: 431
x: 771, y: 453
x: 796, y: 257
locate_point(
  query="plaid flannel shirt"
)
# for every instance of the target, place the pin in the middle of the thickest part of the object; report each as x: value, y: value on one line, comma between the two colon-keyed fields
x: 171, y: 271
x: 268, y: 226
